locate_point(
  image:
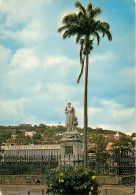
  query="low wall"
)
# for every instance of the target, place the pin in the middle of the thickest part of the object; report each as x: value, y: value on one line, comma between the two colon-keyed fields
x: 21, y: 179
x: 116, y: 180
x: 117, y: 189
x: 37, y: 179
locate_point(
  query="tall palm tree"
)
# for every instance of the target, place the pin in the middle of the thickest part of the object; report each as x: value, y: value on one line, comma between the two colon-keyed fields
x: 86, y: 27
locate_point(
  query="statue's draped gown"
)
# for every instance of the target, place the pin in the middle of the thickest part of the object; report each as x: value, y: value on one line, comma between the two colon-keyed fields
x: 69, y: 118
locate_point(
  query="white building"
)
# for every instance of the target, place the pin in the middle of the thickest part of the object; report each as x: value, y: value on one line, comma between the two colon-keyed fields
x: 116, y: 136
x: 109, y: 146
x: 25, y: 125
x: 30, y: 150
x: 14, y: 136
x: 30, y: 133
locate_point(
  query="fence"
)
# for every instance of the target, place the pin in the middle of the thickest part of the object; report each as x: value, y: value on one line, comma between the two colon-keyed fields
x: 120, y: 165
x: 102, y: 164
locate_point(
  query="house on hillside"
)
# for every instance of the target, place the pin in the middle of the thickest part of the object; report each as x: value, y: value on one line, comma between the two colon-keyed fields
x: 92, y: 145
x: 45, y: 138
x: 91, y: 149
x: 30, y: 133
x: 13, y: 136
x: 25, y: 125
x: 109, y: 148
x: 116, y: 136
x: 109, y: 137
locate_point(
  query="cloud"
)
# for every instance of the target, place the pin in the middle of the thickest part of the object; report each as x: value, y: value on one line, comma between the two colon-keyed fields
x: 101, y: 65
x: 27, y: 63
x: 104, y: 57
x: 110, y: 103
x: 38, y: 86
x: 117, y: 111
x: 21, y: 11
x: 50, y: 103
x: 14, y: 112
x: 10, y: 110
x: 61, y: 92
x: 32, y: 33
x: 23, y: 70
x: 112, y: 115
x: 110, y: 79
x: 23, y: 21
x: 59, y: 60
x: 5, y: 54
x: 24, y: 59
x: 7, y: 106
x: 63, y: 63
x: 127, y: 76
x: 5, y: 57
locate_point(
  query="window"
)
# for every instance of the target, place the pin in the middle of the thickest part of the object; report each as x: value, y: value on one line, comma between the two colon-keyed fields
x: 68, y: 149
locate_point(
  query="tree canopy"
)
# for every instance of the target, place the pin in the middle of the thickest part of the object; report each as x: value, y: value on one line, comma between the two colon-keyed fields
x: 85, y: 26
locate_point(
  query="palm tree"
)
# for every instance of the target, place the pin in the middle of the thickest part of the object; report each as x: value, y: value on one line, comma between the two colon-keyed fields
x: 85, y: 26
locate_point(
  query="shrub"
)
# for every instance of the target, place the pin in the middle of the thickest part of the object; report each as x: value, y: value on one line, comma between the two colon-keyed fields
x: 71, y: 180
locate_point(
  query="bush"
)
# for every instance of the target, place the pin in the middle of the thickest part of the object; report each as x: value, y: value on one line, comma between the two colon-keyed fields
x: 71, y: 180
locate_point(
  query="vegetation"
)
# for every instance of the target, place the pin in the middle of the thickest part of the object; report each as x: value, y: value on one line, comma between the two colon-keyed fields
x: 52, y: 134
x: 133, y: 134
x: 49, y: 134
x: 71, y: 180
x: 4, y: 136
x: 123, y: 146
x: 86, y: 27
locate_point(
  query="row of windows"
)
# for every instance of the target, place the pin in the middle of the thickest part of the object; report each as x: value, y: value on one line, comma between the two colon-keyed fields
x: 40, y: 152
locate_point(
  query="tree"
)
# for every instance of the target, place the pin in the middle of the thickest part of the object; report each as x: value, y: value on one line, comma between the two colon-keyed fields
x: 27, y: 140
x: 4, y: 136
x: 85, y: 26
x: 123, y: 146
x: 37, y: 139
x: 133, y: 135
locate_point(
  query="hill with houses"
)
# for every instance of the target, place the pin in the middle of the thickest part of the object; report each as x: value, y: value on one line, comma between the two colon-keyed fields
x: 45, y: 134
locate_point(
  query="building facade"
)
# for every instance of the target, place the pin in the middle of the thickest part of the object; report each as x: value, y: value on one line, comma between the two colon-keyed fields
x: 30, y: 150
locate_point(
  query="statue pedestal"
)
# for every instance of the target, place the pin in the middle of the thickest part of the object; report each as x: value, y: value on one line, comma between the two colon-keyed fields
x: 71, y: 144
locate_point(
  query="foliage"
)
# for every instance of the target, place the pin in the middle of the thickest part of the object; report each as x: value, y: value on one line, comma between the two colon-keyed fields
x: 133, y: 135
x: 123, y: 146
x: 36, y: 139
x: 71, y: 180
x: 54, y: 132
x: 4, y: 136
x: 85, y: 27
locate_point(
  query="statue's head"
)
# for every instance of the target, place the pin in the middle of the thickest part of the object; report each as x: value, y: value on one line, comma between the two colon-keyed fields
x: 69, y: 104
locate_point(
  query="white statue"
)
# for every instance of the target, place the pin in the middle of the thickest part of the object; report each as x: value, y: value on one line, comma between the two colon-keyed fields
x: 75, y: 124
x: 71, y: 120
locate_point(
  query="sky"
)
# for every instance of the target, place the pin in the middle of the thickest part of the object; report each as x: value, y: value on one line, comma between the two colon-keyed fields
x: 39, y: 70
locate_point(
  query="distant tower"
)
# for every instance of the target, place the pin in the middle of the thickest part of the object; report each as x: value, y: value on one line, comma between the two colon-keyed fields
x: 116, y: 136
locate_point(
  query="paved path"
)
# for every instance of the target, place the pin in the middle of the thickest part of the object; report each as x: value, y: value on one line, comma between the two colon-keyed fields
x: 37, y: 190
x: 21, y: 189
x: 117, y: 190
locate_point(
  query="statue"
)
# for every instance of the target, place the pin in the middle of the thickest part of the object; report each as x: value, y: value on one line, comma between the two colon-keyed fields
x: 75, y: 124
x: 71, y: 143
x: 71, y: 119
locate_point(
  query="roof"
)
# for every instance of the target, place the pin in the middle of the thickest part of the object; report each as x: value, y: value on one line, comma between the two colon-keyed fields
x: 109, y: 146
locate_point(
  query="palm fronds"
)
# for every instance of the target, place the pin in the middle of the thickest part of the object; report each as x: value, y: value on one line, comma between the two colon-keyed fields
x: 80, y: 6
x: 85, y: 26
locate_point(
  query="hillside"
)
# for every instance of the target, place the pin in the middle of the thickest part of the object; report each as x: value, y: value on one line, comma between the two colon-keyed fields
x: 45, y: 134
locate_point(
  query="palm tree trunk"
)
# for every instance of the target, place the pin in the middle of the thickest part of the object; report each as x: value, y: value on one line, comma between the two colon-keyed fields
x: 85, y: 113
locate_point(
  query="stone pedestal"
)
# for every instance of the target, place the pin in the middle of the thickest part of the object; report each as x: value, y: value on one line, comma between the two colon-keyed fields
x: 71, y: 144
